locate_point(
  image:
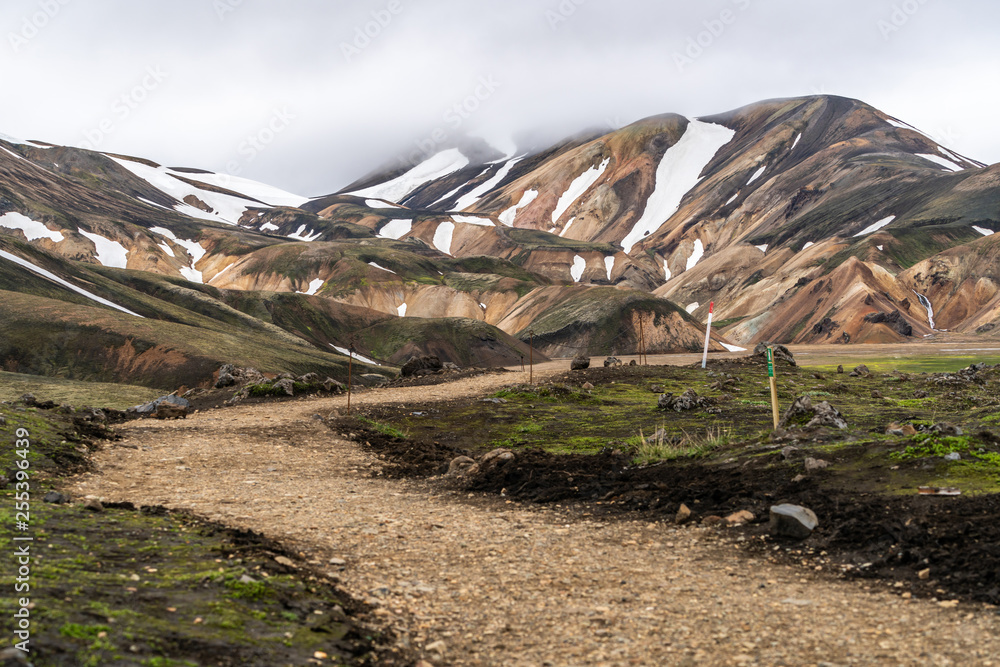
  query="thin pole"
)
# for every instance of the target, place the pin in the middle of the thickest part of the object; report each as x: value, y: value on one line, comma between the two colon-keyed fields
x: 531, y: 358
x: 708, y: 335
x: 774, y: 385
x: 350, y: 369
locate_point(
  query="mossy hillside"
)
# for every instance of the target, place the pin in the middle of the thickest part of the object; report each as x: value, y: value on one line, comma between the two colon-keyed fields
x: 562, y: 417
x: 464, y: 341
x: 73, y: 392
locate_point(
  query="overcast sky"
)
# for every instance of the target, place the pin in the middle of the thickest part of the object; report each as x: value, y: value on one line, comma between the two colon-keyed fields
x: 295, y: 93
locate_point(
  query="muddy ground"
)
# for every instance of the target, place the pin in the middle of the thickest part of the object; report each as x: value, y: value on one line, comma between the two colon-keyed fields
x: 873, y: 522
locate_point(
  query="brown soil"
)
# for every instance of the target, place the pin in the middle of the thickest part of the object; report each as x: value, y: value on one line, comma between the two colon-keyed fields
x: 475, y: 578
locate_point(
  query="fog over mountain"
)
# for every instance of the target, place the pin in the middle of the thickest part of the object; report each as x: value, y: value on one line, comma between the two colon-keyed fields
x: 307, y: 95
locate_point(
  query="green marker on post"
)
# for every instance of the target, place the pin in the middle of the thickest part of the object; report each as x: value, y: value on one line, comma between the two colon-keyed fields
x: 770, y: 362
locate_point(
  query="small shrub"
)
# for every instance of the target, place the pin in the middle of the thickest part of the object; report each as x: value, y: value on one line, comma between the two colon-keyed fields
x: 661, y: 447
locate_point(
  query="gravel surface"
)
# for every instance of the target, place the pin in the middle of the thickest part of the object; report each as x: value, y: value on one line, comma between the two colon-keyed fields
x: 479, y: 581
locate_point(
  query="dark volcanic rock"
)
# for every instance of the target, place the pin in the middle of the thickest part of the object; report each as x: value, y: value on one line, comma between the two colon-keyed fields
x: 792, y: 521
x: 580, y: 363
x: 689, y: 400
x: 894, y: 319
x: 802, y: 412
x: 426, y: 362
x: 781, y: 353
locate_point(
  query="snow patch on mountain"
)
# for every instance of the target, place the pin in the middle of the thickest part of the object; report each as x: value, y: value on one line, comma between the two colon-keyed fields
x: 56, y: 279
x: 193, y: 248
x: 762, y: 248
x: 696, y: 255
x: 395, y: 229
x: 565, y: 230
x: 578, y: 188
x: 375, y: 203
x: 796, y: 142
x: 733, y: 348
x: 443, y: 237
x: 381, y: 268
x: 579, y: 266
x: 982, y: 230
x: 508, y: 216
x: 692, y: 307
x: 109, y: 253
x: 667, y: 272
x: 440, y: 165
x: 32, y: 230
x: 757, y: 174
x: 305, y: 234
x: 354, y: 355
x: 314, y: 287
x: 473, y: 220
x: 677, y: 174
x: 877, y: 226
x: 609, y: 264
x: 268, y: 194
x: 472, y: 198
x: 11, y: 140
x: 944, y: 162
x: 401, y: 311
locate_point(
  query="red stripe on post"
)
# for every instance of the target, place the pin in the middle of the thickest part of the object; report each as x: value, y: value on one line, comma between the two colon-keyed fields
x: 711, y: 307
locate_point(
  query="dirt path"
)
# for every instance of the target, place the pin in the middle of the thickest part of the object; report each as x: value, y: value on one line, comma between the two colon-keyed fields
x: 476, y: 582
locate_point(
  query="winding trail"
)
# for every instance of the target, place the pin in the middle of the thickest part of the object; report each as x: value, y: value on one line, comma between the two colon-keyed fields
x: 475, y: 581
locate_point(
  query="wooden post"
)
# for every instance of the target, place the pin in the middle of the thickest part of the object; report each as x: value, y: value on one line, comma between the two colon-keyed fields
x: 774, y: 385
x: 708, y: 335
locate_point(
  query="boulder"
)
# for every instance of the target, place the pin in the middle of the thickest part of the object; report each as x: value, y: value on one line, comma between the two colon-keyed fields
x: 683, y: 514
x: 427, y: 362
x: 332, y: 385
x: 56, y: 498
x: 861, y: 371
x: 460, y: 466
x: 740, y: 518
x: 287, y: 385
x: 633, y: 363
x: 170, y: 411
x: 813, y: 465
x: 792, y: 521
x: 308, y: 378
x: 947, y: 429
x: 612, y: 361
x: 781, y: 353
x: 803, y: 413
x: 225, y: 380
x: 94, y: 505
x: 495, y: 460
x: 840, y: 369
x: 580, y: 363
x: 150, y: 408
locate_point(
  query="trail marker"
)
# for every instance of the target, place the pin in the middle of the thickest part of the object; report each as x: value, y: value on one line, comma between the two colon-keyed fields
x: 774, y: 385
x: 708, y: 335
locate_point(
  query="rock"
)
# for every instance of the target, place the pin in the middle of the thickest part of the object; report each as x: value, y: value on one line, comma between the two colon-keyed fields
x: 712, y: 520
x: 633, y: 363
x: 149, y: 409
x: 331, y: 385
x: 920, y: 393
x: 282, y: 560
x: 498, y: 458
x: 452, y: 367
x: 587, y: 386
x: 657, y: 389
x: 287, y: 385
x: 812, y: 464
x: 781, y: 353
x: 460, y: 466
x: 170, y: 411
x: 792, y: 521
x: 802, y: 412
x: 29, y: 400
x: 924, y: 575
x: 947, y: 429
x: 683, y: 514
x: 427, y: 362
x: 787, y: 452
x: 689, y: 400
x: 94, y: 505
x: 900, y: 429
x: 840, y: 369
x: 14, y: 657
x: 579, y: 363
x: 819, y: 376
x: 740, y: 518
x: 225, y: 380
x: 953, y: 456
x: 894, y: 320
x: 612, y: 361
x: 437, y: 647
x: 799, y: 478
x: 876, y: 394
x: 56, y: 498
x: 861, y: 371
x: 308, y: 378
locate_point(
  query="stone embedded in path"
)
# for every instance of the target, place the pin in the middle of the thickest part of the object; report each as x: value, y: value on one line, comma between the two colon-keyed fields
x: 683, y: 514
x: 580, y: 363
x: 740, y: 518
x: 792, y: 521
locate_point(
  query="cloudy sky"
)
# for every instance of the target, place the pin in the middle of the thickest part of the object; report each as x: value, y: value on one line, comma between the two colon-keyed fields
x: 311, y: 94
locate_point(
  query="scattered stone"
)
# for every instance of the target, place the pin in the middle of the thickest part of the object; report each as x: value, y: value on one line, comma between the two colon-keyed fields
x: 450, y: 367
x: 94, y: 505
x: 799, y: 478
x: 657, y: 389
x: 339, y: 562
x: 612, y: 362
x: 953, y: 456
x: 786, y: 452
x: 633, y: 363
x: 149, y: 409
x: 427, y: 362
x: 282, y: 560
x: 498, y: 458
x: 683, y: 514
x: 170, y: 411
x: 287, y: 385
x: 876, y: 394
x: 587, y: 386
x: 29, y: 400
x: 819, y: 376
x: 331, y: 385
x: 860, y: 371
x: 740, y: 518
x: 900, y: 429
x: 437, y: 647
x: 580, y: 363
x: 225, y: 380
x: 812, y: 464
x: 792, y: 521
x: 840, y: 369
x: 920, y: 393
x: 56, y: 498
x: 802, y: 412
x: 947, y: 429
x: 924, y: 575
x: 712, y: 520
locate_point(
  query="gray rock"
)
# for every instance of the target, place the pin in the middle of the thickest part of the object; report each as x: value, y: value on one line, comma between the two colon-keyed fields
x: 94, y: 505
x: 29, y: 399
x: 150, y: 408
x: 170, y: 411
x: 612, y: 361
x: 332, y: 385
x: 633, y: 363
x: 861, y: 371
x: 812, y: 464
x: 787, y: 452
x: 657, y: 389
x: 781, y: 353
x: 802, y: 412
x: 792, y: 521
x: 225, y: 380
x: 689, y: 400
x: 308, y: 378
x: 56, y: 498
x: 947, y: 429
x: 498, y: 458
x: 580, y: 363
x: 954, y: 456
x: 287, y: 385
x: 840, y: 369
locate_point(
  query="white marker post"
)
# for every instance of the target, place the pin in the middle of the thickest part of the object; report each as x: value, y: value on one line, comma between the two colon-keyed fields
x: 708, y: 335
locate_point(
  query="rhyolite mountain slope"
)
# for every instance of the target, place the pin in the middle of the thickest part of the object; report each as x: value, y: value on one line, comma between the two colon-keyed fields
x: 816, y: 219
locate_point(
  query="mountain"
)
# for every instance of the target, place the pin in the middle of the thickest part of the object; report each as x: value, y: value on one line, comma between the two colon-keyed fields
x: 817, y: 219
